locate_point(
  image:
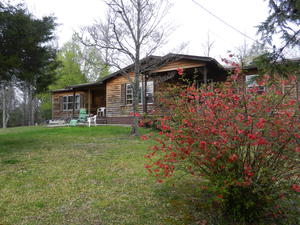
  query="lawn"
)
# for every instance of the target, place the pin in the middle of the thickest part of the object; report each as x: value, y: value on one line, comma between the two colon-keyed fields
x: 84, y: 175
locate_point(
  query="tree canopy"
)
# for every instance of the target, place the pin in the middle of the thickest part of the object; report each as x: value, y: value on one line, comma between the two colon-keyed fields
x: 25, y: 43
x: 283, y: 20
x: 69, y: 73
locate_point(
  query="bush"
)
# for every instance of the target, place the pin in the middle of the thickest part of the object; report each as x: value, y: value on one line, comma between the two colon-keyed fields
x: 245, y: 142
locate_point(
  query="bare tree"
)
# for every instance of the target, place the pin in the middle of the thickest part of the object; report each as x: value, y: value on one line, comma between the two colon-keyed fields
x: 246, y: 53
x: 207, y: 46
x: 133, y: 29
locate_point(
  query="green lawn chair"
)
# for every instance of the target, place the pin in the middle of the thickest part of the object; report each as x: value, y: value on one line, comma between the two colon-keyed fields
x: 73, y: 123
x: 82, y: 115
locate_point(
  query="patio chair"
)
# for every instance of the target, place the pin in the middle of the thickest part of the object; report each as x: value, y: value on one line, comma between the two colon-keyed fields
x: 82, y: 115
x: 73, y: 123
x: 101, y: 111
x: 92, y: 119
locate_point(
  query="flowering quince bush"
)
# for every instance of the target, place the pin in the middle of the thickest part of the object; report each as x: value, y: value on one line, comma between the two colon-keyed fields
x: 245, y: 143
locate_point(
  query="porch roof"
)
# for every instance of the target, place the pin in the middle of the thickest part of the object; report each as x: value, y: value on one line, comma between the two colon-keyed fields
x: 151, y: 63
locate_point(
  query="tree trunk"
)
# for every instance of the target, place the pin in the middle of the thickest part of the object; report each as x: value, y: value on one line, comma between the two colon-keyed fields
x: 33, y: 110
x: 3, y: 106
x: 135, y: 104
x: 24, y: 105
x: 30, y: 106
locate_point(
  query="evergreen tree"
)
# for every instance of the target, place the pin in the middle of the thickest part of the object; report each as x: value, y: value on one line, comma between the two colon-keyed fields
x: 283, y: 20
x: 27, y: 56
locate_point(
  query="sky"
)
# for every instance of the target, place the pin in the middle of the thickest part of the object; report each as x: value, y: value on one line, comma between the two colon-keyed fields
x: 192, y: 23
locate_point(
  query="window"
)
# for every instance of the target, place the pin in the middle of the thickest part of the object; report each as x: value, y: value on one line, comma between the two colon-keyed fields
x: 129, y: 94
x: 251, y: 82
x: 77, y: 102
x: 68, y: 102
x: 149, y: 93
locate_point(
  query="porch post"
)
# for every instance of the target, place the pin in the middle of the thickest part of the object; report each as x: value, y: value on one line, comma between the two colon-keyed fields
x: 205, y: 75
x: 89, y: 102
x: 145, y: 94
x: 73, y: 112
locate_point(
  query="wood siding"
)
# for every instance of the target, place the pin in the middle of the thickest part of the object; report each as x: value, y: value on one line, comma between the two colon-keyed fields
x: 57, y: 112
x: 293, y: 88
x: 115, y: 106
x: 179, y: 64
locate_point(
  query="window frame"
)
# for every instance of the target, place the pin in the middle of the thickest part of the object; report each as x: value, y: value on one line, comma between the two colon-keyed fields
x: 128, y: 87
x: 68, y: 105
x: 148, y: 92
x: 250, y: 84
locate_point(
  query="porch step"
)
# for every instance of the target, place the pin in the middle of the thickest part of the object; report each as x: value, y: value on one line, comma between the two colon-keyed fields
x: 101, y: 121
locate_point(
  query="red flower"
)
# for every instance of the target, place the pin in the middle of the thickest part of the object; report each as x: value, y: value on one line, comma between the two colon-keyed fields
x: 136, y: 114
x: 180, y: 71
x: 296, y: 188
x: 202, y: 144
x: 220, y: 196
x: 144, y: 137
x: 251, y: 136
x: 262, y: 141
x: 233, y: 157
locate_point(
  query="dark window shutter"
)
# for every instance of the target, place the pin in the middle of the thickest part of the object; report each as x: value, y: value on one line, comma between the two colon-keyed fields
x: 123, y: 94
x: 81, y: 101
x: 61, y: 103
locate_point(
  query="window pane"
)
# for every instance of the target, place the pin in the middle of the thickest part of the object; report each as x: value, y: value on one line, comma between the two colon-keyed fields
x: 129, y: 94
x: 149, y: 97
x: 150, y: 87
x: 65, y: 99
x: 70, y: 98
x: 250, y: 80
x: 77, y: 99
x: 149, y: 92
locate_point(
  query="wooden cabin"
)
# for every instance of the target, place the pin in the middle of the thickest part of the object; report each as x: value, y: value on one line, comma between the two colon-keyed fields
x: 114, y: 93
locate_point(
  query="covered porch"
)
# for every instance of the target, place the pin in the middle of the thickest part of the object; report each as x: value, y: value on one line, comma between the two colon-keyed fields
x: 73, y: 101
x: 94, y: 101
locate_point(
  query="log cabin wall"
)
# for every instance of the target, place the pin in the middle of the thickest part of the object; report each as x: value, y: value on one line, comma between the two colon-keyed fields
x: 184, y: 64
x: 114, y: 104
x: 58, y: 113
x: 293, y: 88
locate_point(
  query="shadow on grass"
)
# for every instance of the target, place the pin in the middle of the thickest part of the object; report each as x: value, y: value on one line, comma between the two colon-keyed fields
x: 15, y: 144
x: 188, y: 203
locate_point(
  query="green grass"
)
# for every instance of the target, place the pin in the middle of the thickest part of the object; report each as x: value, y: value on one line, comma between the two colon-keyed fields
x: 84, y: 175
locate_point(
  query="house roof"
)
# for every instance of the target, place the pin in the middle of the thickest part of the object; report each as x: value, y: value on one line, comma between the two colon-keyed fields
x: 148, y: 63
x: 153, y: 62
x: 252, y: 65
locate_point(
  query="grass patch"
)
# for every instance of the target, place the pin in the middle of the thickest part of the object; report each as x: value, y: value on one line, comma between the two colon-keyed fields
x: 80, y: 175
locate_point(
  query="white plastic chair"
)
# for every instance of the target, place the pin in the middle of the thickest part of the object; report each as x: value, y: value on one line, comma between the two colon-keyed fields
x: 92, y: 119
x: 101, y: 111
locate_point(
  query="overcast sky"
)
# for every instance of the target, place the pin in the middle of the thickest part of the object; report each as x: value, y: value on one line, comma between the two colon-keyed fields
x: 192, y: 22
